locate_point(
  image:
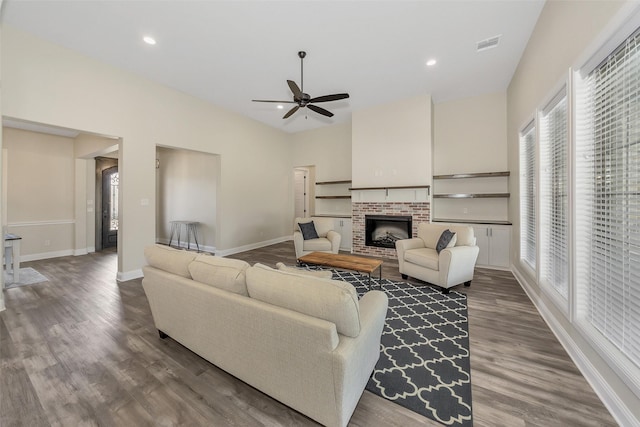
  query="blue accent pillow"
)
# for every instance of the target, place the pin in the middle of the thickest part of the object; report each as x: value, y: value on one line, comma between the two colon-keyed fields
x: 444, y: 240
x: 308, y: 230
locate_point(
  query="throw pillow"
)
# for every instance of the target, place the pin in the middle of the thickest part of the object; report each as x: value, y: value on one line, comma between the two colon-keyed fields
x: 324, y: 274
x: 444, y: 240
x: 308, y: 230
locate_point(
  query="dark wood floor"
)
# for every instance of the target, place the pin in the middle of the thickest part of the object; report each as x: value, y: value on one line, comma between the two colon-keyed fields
x: 81, y: 349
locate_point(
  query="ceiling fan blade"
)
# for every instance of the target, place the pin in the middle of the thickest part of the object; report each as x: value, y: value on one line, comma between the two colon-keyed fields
x: 290, y: 112
x: 297, y: 93
x: 320, y: 110
x: 327, y: 98
x: 278, y: 102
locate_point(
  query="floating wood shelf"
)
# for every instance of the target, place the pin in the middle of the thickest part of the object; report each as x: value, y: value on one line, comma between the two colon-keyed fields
x: 333, y: 197
x: 403, y: 187
x: 472, y: 221
x: 333, y: 182
x: 472, y: 175
x: 471, y: 196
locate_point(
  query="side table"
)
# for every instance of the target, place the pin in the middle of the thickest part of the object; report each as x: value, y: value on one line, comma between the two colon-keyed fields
x: 190, y: 228
x: 12, y: 254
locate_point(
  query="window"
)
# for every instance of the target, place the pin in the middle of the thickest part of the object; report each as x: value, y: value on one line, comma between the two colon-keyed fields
x: 554, y: 203
x: 608, y: 200
x: 528, y: 195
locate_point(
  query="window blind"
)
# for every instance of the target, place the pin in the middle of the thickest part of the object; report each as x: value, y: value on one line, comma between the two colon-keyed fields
x: 554, y: 203
x: 608, y: 199
x: 528, y: 195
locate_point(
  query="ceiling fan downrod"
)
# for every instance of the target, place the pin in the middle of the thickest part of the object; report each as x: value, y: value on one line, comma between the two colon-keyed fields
x: 302, y: 54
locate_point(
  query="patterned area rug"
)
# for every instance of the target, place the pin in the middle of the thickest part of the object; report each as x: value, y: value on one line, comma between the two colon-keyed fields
x: 26, y: 276
x: 424, y: 359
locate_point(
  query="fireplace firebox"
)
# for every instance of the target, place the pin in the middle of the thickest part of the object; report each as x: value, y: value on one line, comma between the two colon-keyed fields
x: 383, y: 230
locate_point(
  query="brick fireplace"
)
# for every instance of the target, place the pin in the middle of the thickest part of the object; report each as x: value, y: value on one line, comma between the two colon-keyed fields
x: 419, y: 212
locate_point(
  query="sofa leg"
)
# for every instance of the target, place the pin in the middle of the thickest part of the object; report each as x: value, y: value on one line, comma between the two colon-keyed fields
x: 404, y: 276
x: 162, y: 334
x: 467, y: 284
x: 445, y: 290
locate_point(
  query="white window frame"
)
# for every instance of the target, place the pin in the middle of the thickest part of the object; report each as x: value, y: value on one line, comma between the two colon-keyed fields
x: 530, y: 126
x: 626, y: 25
x: 561, y: 90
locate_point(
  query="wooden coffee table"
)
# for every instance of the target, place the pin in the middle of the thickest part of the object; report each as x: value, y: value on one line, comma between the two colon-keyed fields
x: 343, y: 261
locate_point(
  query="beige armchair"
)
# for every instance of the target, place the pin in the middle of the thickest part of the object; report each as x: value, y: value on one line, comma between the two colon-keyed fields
x: 418, y: 258
x: 328, y: 240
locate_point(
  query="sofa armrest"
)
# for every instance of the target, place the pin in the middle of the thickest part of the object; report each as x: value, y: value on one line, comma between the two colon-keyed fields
x: 456, y: 264
x: 335, y: 238
x: 355, y: 358
x: 404, y: 245
x: 298, y: 243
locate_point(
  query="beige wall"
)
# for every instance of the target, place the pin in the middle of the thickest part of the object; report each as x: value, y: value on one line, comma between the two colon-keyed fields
x: 187, y: 190
x: 40, y: 191
x: 392, y: 144
x: 470, y: 135
x: 48, y: 84
x: 565, y: 31
x: 327, y: 148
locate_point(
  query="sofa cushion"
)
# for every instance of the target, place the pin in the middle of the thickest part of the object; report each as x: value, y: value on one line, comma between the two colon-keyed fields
x: 325, y: 274
x: 464, y: 234
x: 223, y: 273
x: 308, y: 230
x: 321, y: 244
x: 424, y: 257
x: 169, y: 259
x: 331, y: 300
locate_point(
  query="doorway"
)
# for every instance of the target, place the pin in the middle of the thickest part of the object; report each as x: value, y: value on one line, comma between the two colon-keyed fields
x: 110, y: 185
x: 303, y: 177
x: 106, y: 200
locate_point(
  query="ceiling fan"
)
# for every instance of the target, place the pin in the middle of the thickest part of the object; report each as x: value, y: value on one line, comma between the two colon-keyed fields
x: 304, y: 99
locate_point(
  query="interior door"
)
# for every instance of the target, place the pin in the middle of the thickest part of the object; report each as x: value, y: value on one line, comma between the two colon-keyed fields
x: 300, y: 182
x: 110, y: 182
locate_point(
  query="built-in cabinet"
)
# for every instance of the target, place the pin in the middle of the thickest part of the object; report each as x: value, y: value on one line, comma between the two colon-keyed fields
x: 333, y: 200
x: 344, y: 227
x: 480, y: 200
x: 494, y: 242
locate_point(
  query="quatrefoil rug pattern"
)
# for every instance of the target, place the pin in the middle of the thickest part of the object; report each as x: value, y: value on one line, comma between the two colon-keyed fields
x: 424, y: 359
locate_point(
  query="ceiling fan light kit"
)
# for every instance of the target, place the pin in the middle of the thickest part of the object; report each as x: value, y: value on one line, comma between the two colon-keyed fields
x: 303, y: 99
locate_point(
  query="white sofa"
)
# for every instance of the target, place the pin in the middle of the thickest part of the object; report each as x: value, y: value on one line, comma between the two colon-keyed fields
x: 305, y: 341
x: 328, y: 239
x: 418, y: 258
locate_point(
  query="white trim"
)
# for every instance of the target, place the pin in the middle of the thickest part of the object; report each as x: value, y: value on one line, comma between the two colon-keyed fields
x: 42, y: 223
x: 2, y: 307
x: 46, y: 255
x: 203, y: 248
x: 609, y: 397
x: 79, y: 252
x: 257, y: 245
x: 621, y: 26
x: 125, y: 276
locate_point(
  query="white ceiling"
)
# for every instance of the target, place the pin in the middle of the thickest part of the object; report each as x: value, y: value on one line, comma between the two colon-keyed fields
x: 230, y: 52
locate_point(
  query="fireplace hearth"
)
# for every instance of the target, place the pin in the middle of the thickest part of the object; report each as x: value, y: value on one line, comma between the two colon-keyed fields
x: 383, y: 230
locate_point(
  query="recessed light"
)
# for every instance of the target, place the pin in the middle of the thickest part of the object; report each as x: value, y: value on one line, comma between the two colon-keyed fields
x: 280, y: 107
x: 149, y: 40
x: 431, y: 62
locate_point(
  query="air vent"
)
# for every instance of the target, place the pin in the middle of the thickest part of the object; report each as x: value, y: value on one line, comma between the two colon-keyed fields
x: 489, y: 43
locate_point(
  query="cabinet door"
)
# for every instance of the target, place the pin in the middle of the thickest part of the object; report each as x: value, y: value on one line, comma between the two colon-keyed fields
x: 343, y: 226
x: 482, y: 240
x: 500, y: 243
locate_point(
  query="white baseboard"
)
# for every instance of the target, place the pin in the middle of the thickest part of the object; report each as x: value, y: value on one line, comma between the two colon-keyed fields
x: 257, y: 245
x: 129, y: 275
x: 46, y: 255
x: 203, y: 248
x: 79, y: 252
x: 609, y: 397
